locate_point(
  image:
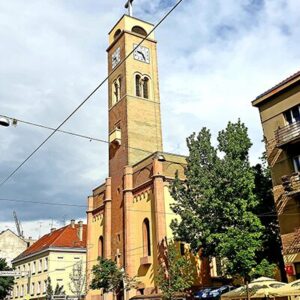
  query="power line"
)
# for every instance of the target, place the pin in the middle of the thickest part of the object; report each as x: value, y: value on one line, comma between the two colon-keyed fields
x: 264, y: 215
x: 71, y: 133
x: 89, y: 96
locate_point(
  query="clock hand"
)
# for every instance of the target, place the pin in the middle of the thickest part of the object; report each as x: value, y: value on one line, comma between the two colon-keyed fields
x: 142, y: 54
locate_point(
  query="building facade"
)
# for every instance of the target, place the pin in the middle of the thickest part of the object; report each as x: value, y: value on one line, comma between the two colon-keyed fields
x: 53, y: 256
x: 279, y: 110
x: 11, y: 245
x: 129, y: 215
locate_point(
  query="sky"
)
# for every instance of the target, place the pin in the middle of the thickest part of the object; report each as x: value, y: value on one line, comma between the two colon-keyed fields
x: 215, y: 57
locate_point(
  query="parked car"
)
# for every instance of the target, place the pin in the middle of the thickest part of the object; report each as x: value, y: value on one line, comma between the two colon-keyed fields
x: 213, y: 293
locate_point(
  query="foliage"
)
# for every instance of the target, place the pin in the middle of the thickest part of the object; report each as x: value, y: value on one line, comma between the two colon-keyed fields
x: 266, y: 211
x: 110, y: 278
x: 59, y: 290
x: 217, y: 200
x: 6, y: 283
x: 77, y: 280
x: 175, y: 273
x: 49, y: 289
x: 263, y: 269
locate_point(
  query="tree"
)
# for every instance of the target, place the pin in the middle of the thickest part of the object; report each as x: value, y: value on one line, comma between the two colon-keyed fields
x: 49, y: 289
x: 59, y: 290
x: 266, y: 211
x: 174, y: 273
x: 6, y: 283
x: 217, y: 200
x: 110, y: 278
x: 77, y: 280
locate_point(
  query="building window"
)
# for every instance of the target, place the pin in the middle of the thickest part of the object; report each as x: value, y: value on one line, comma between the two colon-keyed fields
x: 146, y: 238
x: 139, y: 30
x: 16, y: 292
x: 40, y: 266
x: 117, y: 88
x: 146, y: 87
x: 22, y: 290
x: 38, y: 288
x: 138, y: 85
x: 32, y: 288
x: 296, y: 162
x: 142, y: 86
x: 101, y: 246
x: 46, y: 264
x: 292, y: 115
x: 117, y: 33
x: 45, y: 286
x: 33, y: 267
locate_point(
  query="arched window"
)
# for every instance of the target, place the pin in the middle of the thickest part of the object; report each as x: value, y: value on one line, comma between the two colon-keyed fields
x: 117, y: 33
x: 146, y: 87
x: 117, y: 90
x: 139, y: 30
x: 100, y: 246
x: 138, y: 85
x: 146, y: 238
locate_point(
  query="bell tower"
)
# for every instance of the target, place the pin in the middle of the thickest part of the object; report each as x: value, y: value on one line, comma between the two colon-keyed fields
x: 134, y: 104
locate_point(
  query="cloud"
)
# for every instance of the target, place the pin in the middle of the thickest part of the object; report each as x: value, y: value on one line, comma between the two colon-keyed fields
x: 214, y: 58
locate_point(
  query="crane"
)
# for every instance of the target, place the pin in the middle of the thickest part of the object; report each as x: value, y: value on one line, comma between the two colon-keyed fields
x: 18, y: 225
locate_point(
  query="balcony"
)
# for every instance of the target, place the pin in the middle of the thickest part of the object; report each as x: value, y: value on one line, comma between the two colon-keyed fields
x: 291, y: 184
x: 287, y: 134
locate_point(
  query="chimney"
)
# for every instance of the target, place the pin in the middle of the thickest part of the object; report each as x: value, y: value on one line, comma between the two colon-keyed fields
x: 52, y: 229
x: 80, y: 231
x: 73, y: 223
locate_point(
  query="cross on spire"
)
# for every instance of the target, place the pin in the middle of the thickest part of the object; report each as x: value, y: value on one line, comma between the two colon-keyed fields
x: 129, y: 6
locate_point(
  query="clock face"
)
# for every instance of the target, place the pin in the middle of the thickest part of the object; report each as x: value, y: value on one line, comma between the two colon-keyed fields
x: 141, y: 53
x: 116, y: 57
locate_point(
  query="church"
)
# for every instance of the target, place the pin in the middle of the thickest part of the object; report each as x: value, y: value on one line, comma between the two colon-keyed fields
x: 129, y: 214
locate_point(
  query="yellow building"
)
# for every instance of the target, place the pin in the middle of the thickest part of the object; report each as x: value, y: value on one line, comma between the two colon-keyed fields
x: 279, y: 110
x: 129, y: 214
x: 53, y: 256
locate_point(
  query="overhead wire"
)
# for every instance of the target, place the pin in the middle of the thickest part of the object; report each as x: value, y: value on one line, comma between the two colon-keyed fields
x: 266, y: 214
x: 88, y: 97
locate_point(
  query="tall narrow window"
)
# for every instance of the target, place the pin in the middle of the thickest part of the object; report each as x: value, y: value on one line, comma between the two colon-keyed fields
x: 116, y: 90
x: 101, y: 246
x: 138, y: 85
x: 296, y: 161
x: 146, y: 88
x: 146, y: 238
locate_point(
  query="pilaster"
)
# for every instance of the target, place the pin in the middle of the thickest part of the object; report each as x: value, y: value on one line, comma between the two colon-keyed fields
x: 107, y: 219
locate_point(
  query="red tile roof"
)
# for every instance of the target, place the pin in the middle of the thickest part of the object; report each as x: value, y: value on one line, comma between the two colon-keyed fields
x: 65, y: 237
x: 280, y: 84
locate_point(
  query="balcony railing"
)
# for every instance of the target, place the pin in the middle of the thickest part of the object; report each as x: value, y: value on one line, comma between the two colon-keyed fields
x: 287, y: 134
x: 291, y: 184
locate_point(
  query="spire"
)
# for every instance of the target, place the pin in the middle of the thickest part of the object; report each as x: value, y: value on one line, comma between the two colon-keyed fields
x: 129, y: 6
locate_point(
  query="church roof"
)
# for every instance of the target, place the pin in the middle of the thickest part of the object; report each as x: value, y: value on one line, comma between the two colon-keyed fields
x: 65, y: 237
x: 277, y: 88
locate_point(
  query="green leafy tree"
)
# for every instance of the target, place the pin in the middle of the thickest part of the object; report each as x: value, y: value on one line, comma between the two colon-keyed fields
x: 266, y: 211
x: 59, y: 290
x: 217, y: 200
x: 174, y: 273
x: 49, y: 289
x: 110, y: 278
x: 264, y: 268
x: 6, y: 283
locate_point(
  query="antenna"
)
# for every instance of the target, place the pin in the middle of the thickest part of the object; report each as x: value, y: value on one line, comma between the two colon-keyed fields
x: 18, y: 225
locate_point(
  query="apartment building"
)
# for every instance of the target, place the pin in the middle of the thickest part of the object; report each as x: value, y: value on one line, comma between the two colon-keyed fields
x: 279, y: 109
x: 53, y: 256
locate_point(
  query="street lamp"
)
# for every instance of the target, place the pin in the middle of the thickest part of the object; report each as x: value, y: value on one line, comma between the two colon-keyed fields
x: 4, y: 121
